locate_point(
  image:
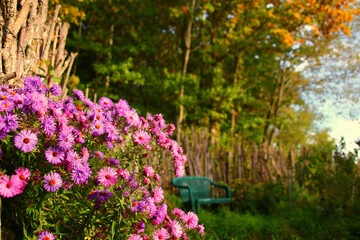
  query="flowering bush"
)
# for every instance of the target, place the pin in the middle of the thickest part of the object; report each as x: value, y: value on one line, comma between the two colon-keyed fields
x: 76, y: 169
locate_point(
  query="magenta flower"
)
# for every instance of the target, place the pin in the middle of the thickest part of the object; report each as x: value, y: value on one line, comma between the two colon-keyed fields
x: 7, y: 106
x: 190, y: 220
x: 176, y: 229
x: 80, y: 173
x: 121, y: 107
x: 56, y: 90
x: 141, y: 137
x: 85, y: 154
x: 26, y: 141
x: 97, y: 128
x: 10, y: 187
x: 178, y: 212
x: 146, y: 181
x: 135, y: 237
x: 132, y: 118
x: 105, y: 102
x: 107, y: 176
x: 49, y: 125
x: 23, y: 174
x: 46, y: 236
x: 79, y: 94
x: 124, y: 174
x: 149, y: 171
x: 66, y: 140
x: 201, y: 229
x: 158, y: 194
x: 54, y: 155
x: 171, y: 129
x: 99, y: 155
x: 52, y: 182
x: 104, y: 195
x: 161, y: 234
x: 180, y: 171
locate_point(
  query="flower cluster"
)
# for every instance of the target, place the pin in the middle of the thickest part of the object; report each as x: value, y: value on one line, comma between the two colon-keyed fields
x: 99, y: 160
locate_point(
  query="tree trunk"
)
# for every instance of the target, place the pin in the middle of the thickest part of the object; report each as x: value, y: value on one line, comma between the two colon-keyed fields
x: 27, y: 41
x: 111, y: 43
x: 184, y: 71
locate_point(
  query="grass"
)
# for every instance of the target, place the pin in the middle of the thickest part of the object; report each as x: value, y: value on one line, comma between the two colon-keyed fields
x: 282, y: 222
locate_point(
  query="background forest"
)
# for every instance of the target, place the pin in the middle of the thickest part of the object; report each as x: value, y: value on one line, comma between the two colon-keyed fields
x: 236, y: 77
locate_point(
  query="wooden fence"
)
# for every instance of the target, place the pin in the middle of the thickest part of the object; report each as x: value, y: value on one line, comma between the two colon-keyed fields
x: 251, y: 162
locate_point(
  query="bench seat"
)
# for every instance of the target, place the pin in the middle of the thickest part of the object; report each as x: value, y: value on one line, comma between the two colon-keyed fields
x: 197, y: 190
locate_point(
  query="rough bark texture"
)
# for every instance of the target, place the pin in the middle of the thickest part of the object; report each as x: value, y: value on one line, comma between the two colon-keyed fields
x: 29, y: 38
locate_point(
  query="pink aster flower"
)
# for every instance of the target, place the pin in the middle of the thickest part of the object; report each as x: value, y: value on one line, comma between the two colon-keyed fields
x: 156, y: 177
x: 201, y: 229
x: 26, y: 141
x: 99, y: 155
x: 105, y: 102
x: 85, y: 153
x: 190, y: 220
x: 149, y: 171
x: 107, y: 176
x: 23, y: 174
x: 54, y: 155
x: 97, y: 128
x: 10, y: 187
x: 121, y: 107
x: 135, y: 237
x: 171, y: 129
x: 176, y: 229
x: 132, y: 118
x: 180, y: 171
x: 66, y: 140
x: 178, y: 212
x: 52, y: 182
x: 141, y: 137
x: 158, y: 194
x: 124, y: 174
x: 146, y: 181
x: 160, y: 234
x: 46, y: 236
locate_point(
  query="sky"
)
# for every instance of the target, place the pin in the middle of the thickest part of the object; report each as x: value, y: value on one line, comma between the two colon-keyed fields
x: 349, y: 129
x: 339, y: 118
x: 339, y: 103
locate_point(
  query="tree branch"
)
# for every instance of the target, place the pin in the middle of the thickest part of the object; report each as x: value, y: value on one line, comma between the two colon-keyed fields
x: 22, y: 16
x: 45, y: 52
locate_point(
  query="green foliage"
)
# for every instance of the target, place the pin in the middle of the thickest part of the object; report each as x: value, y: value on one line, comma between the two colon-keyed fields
x: 259, y: 199
x: 239, y: 52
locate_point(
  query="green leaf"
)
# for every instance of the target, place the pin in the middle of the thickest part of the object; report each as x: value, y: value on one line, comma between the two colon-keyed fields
x: 24, y: 228
x: 113, y: 229
x: 56, y: 79
x: 42, y: 69
x: 210, y: 7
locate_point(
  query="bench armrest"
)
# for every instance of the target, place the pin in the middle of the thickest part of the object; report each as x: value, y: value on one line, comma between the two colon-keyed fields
x: 192, y: 199
x: 227, y: 189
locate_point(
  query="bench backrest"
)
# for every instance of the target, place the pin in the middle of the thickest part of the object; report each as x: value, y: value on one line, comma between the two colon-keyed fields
x: 200, y: 187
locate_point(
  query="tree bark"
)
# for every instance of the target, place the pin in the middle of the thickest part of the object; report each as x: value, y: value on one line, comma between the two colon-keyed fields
x: 184, y: 70
x: 9, y: 45
x: 46, y: 49
x: 111, y: 43
x: 26, y: 40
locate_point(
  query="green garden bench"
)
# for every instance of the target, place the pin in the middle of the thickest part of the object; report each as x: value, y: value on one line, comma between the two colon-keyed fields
x: 198, y: 190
